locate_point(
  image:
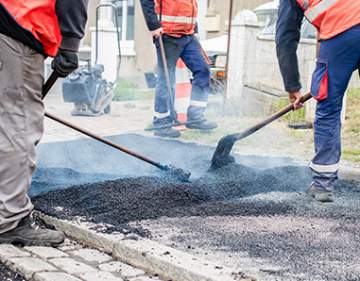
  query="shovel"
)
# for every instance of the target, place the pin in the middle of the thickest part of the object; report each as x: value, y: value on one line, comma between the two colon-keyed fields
x: 173, y: 172
x: 222, y: 156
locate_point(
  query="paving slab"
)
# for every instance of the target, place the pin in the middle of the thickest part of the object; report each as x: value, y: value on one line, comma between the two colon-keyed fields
x: 100, y: 276
x: 122, y: 268
x: 9, y: 251
x: 72, y: 266
x: 54, y: 276
x: 91, y: 255
x: 46, y: 252
x: 28, y: 266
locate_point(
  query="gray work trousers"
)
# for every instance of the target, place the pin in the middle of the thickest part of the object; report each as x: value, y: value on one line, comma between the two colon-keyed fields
x: 21, y: 127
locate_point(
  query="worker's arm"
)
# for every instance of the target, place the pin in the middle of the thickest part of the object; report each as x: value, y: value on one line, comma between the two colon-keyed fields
x: 72, y: 16
x: 151, y: 18
x: 288, y: 31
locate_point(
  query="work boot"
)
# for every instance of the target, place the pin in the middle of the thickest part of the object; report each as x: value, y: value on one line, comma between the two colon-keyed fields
x: 201, y: 125
x: 167, y: 133
x: 320, y: 194
x: 27, y: 233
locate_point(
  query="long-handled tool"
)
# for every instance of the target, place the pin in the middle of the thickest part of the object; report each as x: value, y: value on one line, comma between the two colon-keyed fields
x: 173, y: 172
x: 169, y: 88
x: 167, y: 80
x: 222, y: 156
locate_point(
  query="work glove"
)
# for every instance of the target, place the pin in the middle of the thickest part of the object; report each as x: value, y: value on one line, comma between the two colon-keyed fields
x: 65, y: 62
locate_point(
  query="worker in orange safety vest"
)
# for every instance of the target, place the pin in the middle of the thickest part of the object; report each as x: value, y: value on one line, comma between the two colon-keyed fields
x: 175, y: 21
x: 338, y: 25
x: 30, y: 31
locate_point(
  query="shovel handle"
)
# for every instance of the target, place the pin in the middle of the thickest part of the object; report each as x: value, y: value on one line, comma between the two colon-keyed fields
x: 167, y: 77
x: 49, y: 83
x: 270, y: 119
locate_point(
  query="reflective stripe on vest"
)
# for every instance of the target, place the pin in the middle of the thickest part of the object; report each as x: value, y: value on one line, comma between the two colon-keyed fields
x: 177, y: 17
x: 318, y: 9
x: 331, y: 17
x: 174, y: 19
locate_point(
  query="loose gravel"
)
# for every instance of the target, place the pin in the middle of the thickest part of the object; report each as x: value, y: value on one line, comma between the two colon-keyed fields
x: 7, y: 275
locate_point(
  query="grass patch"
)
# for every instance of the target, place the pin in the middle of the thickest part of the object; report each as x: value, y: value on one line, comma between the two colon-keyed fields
x: 128, y: 91
x: 351, y: 133
x: 294, y: 116
x: 352, y: 154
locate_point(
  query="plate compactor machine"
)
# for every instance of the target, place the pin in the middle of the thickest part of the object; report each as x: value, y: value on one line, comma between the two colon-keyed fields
x: 86, y: 88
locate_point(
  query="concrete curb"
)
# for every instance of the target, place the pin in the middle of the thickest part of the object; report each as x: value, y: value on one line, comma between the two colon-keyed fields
x: 150, y: 256
x: 349, y: 173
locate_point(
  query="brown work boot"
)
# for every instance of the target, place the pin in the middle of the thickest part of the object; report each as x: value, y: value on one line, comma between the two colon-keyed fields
x: 27, y: 233
x: 320, y: 194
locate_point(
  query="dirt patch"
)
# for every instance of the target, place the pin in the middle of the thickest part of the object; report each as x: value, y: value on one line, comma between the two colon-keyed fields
x: 234, y: 210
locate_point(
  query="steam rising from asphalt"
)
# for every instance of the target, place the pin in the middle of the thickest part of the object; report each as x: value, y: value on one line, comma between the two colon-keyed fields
x: 65, y: 164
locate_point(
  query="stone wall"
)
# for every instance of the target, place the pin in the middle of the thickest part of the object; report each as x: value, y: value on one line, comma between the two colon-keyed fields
x: 253, y: 61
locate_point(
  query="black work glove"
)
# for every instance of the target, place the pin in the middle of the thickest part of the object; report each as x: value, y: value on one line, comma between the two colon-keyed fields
x: 65, y: 62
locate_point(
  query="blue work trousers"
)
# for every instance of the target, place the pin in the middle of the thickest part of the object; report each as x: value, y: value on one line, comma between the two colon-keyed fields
x: 188, y: 49
x: 339, y: 57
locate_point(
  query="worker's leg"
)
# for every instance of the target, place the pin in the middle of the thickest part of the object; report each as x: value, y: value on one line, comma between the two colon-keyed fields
x: 21, y: 127
x: 195, y: 61
x: 163, y: 107
x: 338, y: 59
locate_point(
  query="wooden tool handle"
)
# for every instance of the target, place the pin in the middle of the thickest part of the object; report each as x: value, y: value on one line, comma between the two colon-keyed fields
x: 49, y: 83
x: 270, y: 119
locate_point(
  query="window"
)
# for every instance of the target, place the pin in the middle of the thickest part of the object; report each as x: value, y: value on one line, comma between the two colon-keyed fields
x: 126, y: 13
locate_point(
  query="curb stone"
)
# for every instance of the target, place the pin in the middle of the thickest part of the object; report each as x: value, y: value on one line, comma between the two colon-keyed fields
x: 147, y: 255
x: 349, y: 173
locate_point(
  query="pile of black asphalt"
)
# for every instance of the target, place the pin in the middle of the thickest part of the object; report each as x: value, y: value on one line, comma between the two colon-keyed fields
x: 234, y: 191
x: 135, y: 199
x: 238, y: 208
x: 217, y: 193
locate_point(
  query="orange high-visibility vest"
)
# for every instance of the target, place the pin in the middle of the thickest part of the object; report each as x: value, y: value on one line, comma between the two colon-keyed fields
x: 178, y: 17
x: 331, y: 17
x: 38, y: 17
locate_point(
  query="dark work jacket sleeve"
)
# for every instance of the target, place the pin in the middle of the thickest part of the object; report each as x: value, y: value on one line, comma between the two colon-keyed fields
x: 72, y: 16
x: 151, y: 18
x: 288, y: 31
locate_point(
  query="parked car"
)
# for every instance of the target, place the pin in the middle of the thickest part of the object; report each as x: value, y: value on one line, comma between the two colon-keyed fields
x: 216, y: 49
x: 268, y: 15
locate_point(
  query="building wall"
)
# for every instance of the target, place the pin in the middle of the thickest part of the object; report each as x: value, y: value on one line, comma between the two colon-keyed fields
x: 144, y: 46
x: 142, y: 58
x: 221, y: 8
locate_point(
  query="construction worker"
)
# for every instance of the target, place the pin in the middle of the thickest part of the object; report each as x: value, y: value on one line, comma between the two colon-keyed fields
x: 30, y: 30
x: 175, y: 21
x: 338, y: 25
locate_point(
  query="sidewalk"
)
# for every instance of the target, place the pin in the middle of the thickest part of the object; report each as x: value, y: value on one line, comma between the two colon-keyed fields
x: 71, y: 262
x: 125, y: 117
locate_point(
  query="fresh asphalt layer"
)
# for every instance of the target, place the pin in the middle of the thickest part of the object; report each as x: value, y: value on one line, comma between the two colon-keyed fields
x: 254, y: 211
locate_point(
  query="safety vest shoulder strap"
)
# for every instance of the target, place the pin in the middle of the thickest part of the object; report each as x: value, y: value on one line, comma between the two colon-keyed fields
x: 314, y: 11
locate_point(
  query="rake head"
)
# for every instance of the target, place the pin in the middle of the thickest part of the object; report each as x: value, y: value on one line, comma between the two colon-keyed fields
x: 177, y: 173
